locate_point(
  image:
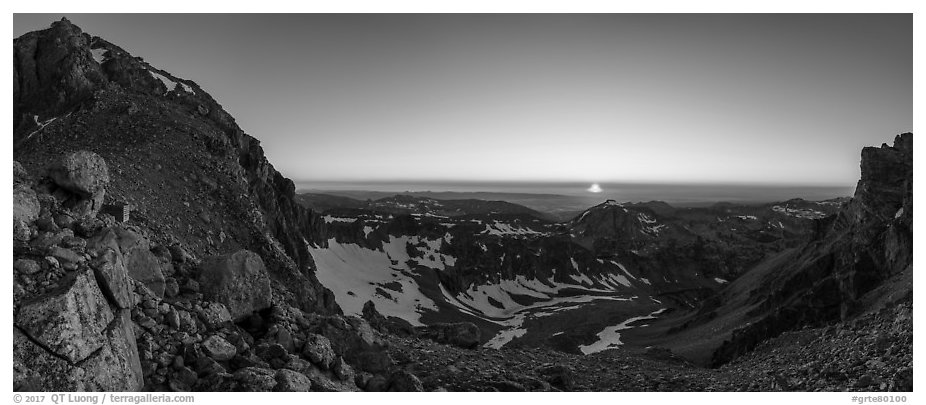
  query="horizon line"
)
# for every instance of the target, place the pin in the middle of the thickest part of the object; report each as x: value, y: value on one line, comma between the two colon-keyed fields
x: 425, y: 181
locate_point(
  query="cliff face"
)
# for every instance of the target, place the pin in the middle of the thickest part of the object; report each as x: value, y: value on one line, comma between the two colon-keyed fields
x: 847, y: 264
x: 176, y: 154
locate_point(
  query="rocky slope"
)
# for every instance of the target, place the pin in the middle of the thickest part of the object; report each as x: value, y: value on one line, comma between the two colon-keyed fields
x: 208, y: 286
x: 857, y: 260
x: 175, y: 154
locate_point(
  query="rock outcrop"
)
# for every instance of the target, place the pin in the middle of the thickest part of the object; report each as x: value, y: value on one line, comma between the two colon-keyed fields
x: 853, y: 253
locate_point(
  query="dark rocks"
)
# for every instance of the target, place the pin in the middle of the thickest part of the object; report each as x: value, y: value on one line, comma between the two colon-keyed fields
x: 403, y: 381
x: 26, y: 266
x: 462, y: 334
x: 270, y: 351
x: 373, y: 361
x: 83, y: 176
x: 215, y: 315
x: 291, y: 381
x: 254, y: 379
x: 342, y: 370
x: 285, y: 339
x: 318, y: 349
x: 53, y: 71
x: 218, y: 348
x: 238, y: 280
x: 558, y: 375
x: 393, y: 325
x: 377, y: 383
x: 171, y: 287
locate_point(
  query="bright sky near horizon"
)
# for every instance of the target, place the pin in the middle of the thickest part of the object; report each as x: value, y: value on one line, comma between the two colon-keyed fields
x: 770, y: 98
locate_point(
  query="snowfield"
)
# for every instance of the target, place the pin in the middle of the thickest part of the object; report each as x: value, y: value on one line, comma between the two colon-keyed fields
x: 610, y: 337
x: 356, y: 274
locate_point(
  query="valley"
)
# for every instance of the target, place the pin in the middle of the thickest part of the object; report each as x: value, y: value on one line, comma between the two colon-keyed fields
x: 530, y: 281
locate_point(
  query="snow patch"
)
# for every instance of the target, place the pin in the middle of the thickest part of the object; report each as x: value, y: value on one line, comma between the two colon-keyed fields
x: 610, y: 337
x: 98, y: 55
x: 329, y: 219
x: 356, y: 274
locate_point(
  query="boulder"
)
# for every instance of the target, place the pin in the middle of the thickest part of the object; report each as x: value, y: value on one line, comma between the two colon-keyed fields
x: 219, y: 348
x: 84, y: 175
x: 64, y: 255
x: 68, y: 340
x: 26, y: 205
x: 403, y: 381
x: 140, y: 264
x: 215, y: 315
x: 238, y: 280
x: 69, y: 320
x: 270, y: 351
x: 318, y: 349
x: 291, y: 381
x: 26, y: 266
x: 255, y: 379
x: 113, y: 279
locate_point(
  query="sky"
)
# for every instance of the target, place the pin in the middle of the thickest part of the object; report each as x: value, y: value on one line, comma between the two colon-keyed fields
x: 651, y: 98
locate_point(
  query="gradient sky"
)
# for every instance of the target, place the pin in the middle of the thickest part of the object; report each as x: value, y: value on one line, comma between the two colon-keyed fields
x: 604, y: 97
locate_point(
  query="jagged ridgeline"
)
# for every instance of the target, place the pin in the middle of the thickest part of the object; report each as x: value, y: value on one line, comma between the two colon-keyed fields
x: 156, y: 248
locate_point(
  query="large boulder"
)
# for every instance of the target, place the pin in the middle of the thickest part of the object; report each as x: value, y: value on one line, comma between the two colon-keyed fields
x: 83, y: 175
x: 70, y: 320
x: 140, y: 263
x: 70, y: 340
x: 291, y: 381
x: 111, y: 275
x: 318, y: 349
x: 26, y: 205
x: 238, y: 280
x: 26, y: 209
